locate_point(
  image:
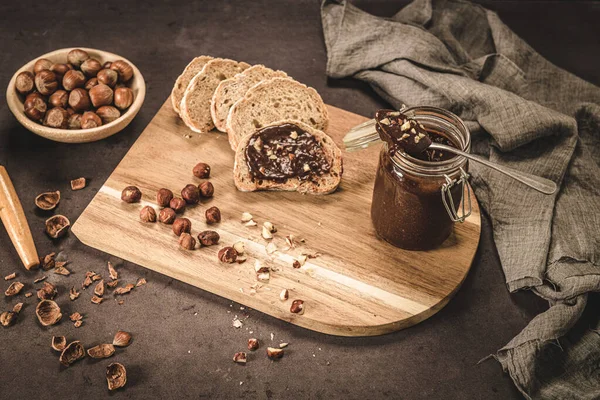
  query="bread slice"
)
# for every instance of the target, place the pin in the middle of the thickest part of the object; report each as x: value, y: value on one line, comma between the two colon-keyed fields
x: 231, y: 90
x: 184, y: 79
x: 320, y: 184
x: 195, y: 105
x: 274, y: 100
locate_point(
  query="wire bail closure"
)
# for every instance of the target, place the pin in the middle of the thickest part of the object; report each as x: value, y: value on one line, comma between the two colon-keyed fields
x: 447, y: 196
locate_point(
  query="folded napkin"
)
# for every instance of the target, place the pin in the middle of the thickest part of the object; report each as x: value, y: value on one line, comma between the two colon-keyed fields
x: 523, y: 112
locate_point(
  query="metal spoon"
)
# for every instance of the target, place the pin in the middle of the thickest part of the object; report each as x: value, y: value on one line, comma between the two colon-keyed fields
x: 364, y: 135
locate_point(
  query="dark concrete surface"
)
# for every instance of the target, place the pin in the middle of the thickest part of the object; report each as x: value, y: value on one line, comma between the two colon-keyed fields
x: 183, y: 336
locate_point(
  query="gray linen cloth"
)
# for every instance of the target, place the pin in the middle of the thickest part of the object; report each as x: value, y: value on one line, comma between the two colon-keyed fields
x: 523, y: 112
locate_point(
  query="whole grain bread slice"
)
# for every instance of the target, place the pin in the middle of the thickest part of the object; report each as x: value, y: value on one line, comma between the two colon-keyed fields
x: 323, y: 184
x: 182, y: 82
x: 273, y: 100
x: 231, y: 90
x: 195, y: 105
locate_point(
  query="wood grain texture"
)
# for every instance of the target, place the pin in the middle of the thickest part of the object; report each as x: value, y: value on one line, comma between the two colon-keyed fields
x: 359, y: 286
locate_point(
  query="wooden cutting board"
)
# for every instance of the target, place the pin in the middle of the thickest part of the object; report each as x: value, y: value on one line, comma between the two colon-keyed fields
x: 359, y: 286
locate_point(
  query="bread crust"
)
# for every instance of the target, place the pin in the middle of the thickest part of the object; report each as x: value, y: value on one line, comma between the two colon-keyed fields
x: 184, y: 79
x: 242, y: 115
x: 205, y: 83
x: 326, y: 183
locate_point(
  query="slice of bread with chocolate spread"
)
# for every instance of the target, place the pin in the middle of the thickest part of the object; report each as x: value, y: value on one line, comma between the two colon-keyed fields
x: 195, y: 105
x: 182, y: 82
x: 231, y: 90
x: 288, y: 155
x: 273, y: 100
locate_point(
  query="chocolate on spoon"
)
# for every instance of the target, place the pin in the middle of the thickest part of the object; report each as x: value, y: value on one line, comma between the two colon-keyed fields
x: 401, y: 133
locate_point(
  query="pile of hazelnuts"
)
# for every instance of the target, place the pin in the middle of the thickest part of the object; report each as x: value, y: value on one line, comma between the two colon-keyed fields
x: 170, y: 205
x: 80, y: 94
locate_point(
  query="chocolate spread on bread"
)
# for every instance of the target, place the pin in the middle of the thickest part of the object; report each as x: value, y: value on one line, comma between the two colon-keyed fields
x: 278, y: 153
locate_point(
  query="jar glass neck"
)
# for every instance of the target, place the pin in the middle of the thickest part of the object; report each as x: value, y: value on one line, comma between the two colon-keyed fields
x: 446, y: 123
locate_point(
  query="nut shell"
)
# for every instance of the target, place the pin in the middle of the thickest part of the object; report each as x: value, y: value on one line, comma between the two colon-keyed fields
x: 57, y: 226
x: 123, y: 98
x: 108, y: 77
x: 57, y: 117
x: 90, y: 120
x: 166, y: 215
x: 48, y: 200
x: 73, y: 79
x: 116, y: 376
x: 73, y: 352
x: 48, y: 312
x: 213, y: 215
x: 46, y: 82
x: 164, y: 197
x: 59, y: 99
x: 147, y: 214
x: 253, y: 344
x: 42, y: 64
x: 177, y: 204
x: 47, y: 292
x: 74, y: 121
x: 124, y: 70
x: 240, y: 357
x: 79, y: 100
x: 181, y: 225
x: 274, y: 353
x: 101, y: 95
x: 14, y: 289
x: 131, y: 194
x: 208, y: 238
x: 35, y: 107
x: 77, y: 56
x: 91, y: 67
x: 101, y: 351
x: 25, y: 82
x: 91, y: 83
x: 122, y: 339
x: 108, y: 114
x: 59, y: 343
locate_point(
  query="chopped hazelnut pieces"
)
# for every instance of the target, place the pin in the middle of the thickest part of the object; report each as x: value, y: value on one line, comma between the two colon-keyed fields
x: 101, y: 351
x: 73, y: 294
x: 122, y: 339
x: 301, y: 260
x: 246, y: 217
x: 14, y: 289
x: 271, y: 248
x: 73, y: 352
x: 11, y: 276
x: 114, y: 275
x: 270, y: 227
x: 297, y: 307
x: 240, y: 357
x: 283, y: 345
x: 78, y: 184
x: 266, y: 234
x: 274, y: 353
x: 125, y: 289
x: 47, y: 262
x: 240, y: 247
x: 290, y: 241
x: 97, y: 300
x: 250, y: 223
x: 116, y: 376
x: 284, y: 295
x: 59, y: 343
x: 296, y: 264
x: 252, y: 344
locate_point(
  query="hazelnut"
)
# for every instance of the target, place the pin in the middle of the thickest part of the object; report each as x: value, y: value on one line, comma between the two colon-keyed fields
x: 77, y: 56
x: 124, y: 70
x: 46, y: 82
x: 191, y: 194
x: 274, y: 353
x: 131, y: 194
x: 108, y: 114
x: 164, y: 197
x: 35, y: 106
x: 297, y: 307
x: 90, y: 83
x: 123, y: 98
x: 252, y: 344
x: 240, y: 357
x: 60, y: 70
x: 213, y: 215
x: 227, y: 255
x: 57, y: 226
x: 206, y: 189
x: 74, y: 121
x: 208, y: 238
x: 116, y: 376
x: 101, y: 95
x: 187, y: 241
x: 107, y: 64
x: 202, y: 171
x: 108, y: 77
x: 42, y: 64
x: 24, y: 82
x: 177, y: 204
x: 147, y: 214
x: 79, y: 100
x: 70, y: 111
x: 166, y: 215
x: 59, y: 99
x: 57, y: 117
x: 91, y: 67
x: 181, y: 225
x: 90, y: 120
x: 73, y: 79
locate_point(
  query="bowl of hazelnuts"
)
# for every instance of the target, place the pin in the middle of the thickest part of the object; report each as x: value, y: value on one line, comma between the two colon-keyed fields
x: 76, y: 95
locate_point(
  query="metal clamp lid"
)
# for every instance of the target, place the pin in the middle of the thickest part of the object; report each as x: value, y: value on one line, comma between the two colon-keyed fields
x: 449, y: 202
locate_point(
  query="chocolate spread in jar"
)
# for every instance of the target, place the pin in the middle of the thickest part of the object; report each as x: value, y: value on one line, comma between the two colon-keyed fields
x: 278, y: 153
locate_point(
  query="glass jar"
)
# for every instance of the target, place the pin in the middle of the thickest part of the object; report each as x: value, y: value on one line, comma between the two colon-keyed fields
x: 414, y: 201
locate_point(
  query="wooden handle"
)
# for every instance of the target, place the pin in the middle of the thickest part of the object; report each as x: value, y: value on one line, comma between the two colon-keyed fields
x: 13, y: 218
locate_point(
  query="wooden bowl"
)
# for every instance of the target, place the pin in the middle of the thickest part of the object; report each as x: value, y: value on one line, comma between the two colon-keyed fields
x: 15, y: 102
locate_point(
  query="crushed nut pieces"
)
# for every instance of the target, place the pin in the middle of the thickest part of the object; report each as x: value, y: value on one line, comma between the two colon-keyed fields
x: 274, y: 353
x: 253, y: 344
x: 240, y: 357
x: 78, y: 184
x: 284, y: 295
x: 297, y: 307
x: 116, y: 376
